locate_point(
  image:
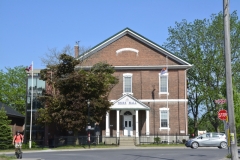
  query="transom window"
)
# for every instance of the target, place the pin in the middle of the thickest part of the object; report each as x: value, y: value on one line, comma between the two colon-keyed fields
x: 127, y: 83
x: 127, y: 113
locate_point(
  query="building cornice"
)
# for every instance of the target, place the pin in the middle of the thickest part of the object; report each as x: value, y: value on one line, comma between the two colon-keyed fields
x: 159, y: 67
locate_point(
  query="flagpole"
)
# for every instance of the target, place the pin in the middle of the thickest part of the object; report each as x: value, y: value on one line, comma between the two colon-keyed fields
x: 167, y: 94
x: 30, y: 137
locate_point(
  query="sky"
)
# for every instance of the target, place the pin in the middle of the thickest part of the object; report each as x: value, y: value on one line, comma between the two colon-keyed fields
x: 29, y: 28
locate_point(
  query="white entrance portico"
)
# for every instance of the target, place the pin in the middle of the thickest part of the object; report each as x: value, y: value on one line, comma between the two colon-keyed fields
x: 127, y: 107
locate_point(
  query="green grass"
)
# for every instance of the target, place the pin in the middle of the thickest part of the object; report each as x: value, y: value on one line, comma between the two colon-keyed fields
x: 4, y: 157
x: 23, y: 149
x: 162, y: 145
x: 85, y: 146
x: 61, y: 147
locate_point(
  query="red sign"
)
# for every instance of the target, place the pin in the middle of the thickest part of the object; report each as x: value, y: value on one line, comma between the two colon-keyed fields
x: 220, y: 101
x: 222, y: 114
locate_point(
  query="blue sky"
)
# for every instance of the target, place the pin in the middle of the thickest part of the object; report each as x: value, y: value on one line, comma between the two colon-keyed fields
x: 30, y: 27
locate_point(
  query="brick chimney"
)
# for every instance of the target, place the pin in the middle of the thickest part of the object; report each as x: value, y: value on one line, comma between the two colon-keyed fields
x: 76, y: 49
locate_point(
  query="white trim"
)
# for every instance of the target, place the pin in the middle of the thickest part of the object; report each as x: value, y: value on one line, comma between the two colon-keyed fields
x: 159, y: 100
x: 159, y: 81
x: 125, y: 93
x: 124, y: 76
x: 127, y: 49
x: 128, y: 102
x: 117, y: 123
x: 163, y: 92
x: 127, y: 74
x: 136, y: 116
x: 163, y: 74
x: 164, y: 128
x: 147, y: 123
x: 143, y: 67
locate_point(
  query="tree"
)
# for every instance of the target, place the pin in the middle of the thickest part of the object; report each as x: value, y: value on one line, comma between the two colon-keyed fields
x: 66, y: 101
x: 6, y: 133
x: 13, y: 88
x: 52, y: 57
x: 236, y: 102
x: 201, y: 44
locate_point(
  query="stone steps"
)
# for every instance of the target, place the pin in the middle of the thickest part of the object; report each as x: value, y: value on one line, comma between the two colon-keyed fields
x: 127, y: 141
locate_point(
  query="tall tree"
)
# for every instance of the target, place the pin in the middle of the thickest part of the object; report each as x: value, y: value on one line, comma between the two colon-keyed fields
x: 6, y: 133
x: 201, y: 43
x: 236, y: 99
x: 236, y: 102
x: 70, y: 89
x: 52, y: 57
x: 13, y: 88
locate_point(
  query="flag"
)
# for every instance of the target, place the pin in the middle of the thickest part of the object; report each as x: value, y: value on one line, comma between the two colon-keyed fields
x: 28, y: 68
x: 164, y: 70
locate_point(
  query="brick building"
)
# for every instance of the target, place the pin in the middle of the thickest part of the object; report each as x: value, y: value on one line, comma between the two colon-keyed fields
x: 146, y: 102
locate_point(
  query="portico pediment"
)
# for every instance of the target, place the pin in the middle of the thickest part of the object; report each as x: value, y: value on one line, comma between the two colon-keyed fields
x: 128, y: 102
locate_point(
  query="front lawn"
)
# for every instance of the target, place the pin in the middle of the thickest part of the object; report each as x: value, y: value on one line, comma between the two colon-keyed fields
x: 161, y: 145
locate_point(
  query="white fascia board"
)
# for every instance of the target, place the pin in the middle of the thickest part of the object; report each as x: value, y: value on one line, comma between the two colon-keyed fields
x: 159, y: 100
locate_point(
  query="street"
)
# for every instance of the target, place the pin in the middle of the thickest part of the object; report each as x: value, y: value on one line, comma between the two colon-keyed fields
x: 130, y: 154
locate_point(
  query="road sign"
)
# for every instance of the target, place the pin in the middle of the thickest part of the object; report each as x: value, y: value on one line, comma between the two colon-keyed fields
x: 222, y: 114
x: 220, y: 101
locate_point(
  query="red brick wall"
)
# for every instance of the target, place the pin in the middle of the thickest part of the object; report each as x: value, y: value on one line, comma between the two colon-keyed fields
x: 144, y: 82
x: 145, y: 57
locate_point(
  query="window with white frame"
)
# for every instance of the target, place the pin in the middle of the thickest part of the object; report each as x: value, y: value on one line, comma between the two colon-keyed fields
x: 127, y: 83
x: 163, y: 83
x: 164, y: 118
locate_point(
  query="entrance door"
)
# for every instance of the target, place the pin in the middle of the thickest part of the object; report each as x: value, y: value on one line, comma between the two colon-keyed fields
x: 128, y: 129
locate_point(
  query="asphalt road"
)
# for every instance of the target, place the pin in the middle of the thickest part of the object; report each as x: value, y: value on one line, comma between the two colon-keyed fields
x: 130, y: 154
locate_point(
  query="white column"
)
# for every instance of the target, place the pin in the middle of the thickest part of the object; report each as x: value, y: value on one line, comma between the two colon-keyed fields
x: 117, y: 123
x: 107, y: 125
x: 137, y: 134
x: 147, y: 122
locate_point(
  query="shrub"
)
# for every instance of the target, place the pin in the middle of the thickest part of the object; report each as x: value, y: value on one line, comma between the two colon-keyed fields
x: 157, y: 140
x: 184, y: 141
x: 26, y: 145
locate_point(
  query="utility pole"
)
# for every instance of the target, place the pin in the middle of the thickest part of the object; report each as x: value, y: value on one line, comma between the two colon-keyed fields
x: 228, y: 71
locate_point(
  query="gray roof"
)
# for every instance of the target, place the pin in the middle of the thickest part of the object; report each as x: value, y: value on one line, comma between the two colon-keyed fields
x: 10, y: 111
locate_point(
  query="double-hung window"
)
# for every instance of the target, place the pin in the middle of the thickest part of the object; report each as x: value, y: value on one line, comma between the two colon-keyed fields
x: 163, y: 83
x: 164, y: 118
x: 127, y: 83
